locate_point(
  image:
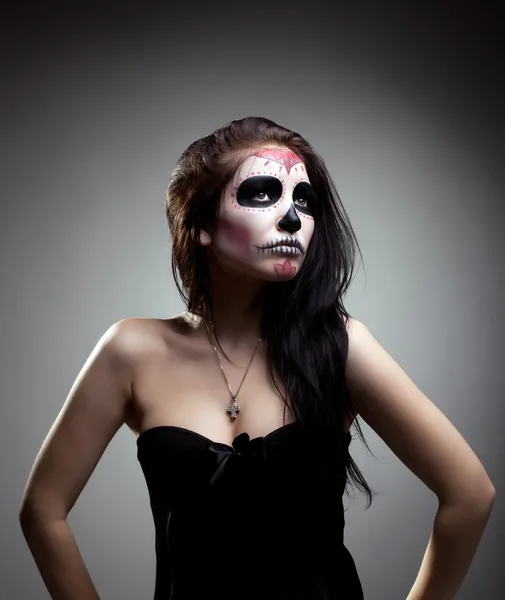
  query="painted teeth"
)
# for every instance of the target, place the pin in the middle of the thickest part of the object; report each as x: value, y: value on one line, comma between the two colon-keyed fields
x: 285, y: 249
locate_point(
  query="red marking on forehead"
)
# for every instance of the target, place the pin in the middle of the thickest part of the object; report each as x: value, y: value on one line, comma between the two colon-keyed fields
x: 286, y: 158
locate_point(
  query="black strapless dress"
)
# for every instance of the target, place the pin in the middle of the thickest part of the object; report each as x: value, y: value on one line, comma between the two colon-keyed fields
x: 262, y: 519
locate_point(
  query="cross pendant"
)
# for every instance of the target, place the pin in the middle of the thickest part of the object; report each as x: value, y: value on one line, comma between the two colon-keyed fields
x: 233, y: 408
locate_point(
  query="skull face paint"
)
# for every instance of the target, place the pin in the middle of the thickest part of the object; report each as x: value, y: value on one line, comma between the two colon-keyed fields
x: 266, y: 219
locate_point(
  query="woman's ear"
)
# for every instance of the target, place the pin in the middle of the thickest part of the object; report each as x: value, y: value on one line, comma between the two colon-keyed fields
x: 204, y: 238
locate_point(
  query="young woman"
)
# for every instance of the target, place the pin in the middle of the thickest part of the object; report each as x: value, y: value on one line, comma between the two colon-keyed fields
x: 243, y: 403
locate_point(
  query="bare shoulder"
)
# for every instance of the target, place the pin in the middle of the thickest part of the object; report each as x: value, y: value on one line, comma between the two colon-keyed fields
x: 141, y: 341
x: 133, y: 337
x: 415, y: 429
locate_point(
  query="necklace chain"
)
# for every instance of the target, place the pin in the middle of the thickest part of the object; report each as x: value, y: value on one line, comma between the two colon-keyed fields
x: 233, y: 408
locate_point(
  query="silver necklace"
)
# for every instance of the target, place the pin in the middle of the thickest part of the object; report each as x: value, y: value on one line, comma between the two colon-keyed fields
x: 233, y: 408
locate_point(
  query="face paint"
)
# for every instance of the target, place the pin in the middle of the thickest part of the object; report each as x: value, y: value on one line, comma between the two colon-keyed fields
x: 266, y: 215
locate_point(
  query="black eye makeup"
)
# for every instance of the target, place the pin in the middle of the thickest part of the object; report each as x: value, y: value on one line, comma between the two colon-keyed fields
x: 304, y: 197
x: 259, y: 191
x: 264, y: 190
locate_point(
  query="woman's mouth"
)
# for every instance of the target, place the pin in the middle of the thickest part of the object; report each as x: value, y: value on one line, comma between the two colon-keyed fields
x: 283, y: 250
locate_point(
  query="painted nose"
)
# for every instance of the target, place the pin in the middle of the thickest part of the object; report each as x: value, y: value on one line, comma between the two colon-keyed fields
x: 290, y: 222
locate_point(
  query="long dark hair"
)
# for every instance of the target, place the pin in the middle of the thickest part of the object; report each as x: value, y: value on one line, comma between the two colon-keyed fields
x: 304, y: 319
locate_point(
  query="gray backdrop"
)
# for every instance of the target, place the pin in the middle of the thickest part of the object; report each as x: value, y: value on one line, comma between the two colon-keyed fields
x: 404, y: 104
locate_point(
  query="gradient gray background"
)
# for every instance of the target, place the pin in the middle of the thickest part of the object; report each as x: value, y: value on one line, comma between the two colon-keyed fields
x: 405, y: 106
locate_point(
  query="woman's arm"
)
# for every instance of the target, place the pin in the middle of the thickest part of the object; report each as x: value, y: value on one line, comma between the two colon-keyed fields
x: 424, y: 439
x: 456, y: 534
x: 94, y: 411
x: 58, y: 559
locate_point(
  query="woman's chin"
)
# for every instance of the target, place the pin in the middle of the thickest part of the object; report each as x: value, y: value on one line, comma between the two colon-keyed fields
x: 280, y: 269
x: 274, y: 269
x: 285, y: 269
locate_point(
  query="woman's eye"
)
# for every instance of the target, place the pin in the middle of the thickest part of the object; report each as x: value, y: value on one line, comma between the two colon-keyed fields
x: 302, y: 200
x: 260, y: 196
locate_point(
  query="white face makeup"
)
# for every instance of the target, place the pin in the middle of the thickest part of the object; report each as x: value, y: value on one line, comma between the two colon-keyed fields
x: 266, y: 223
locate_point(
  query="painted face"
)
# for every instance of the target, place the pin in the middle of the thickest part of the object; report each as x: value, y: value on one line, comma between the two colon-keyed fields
x: 265, y: 223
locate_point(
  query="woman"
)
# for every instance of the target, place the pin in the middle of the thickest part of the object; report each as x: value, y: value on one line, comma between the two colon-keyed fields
x: 243, y: 403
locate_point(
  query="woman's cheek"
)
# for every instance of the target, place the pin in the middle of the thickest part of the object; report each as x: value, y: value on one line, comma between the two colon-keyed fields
x: 236, y: 237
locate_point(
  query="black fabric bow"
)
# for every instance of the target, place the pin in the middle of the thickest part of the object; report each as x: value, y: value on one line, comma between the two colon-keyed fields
x: 239, y: 466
